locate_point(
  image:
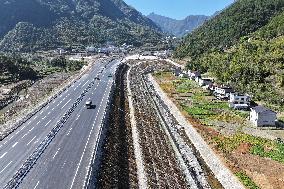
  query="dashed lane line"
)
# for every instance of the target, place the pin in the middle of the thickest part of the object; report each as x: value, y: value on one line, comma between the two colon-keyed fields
x: 3, y: 155
x: 14, y: 144
x: 56, y: 153
x: 66, y: 104
x: 47, y: 123
x: 6, y: 167
x: 31, y: 140
x: 36, y: 185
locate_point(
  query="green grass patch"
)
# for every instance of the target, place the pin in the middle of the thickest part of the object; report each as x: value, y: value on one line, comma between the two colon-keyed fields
x: 246, y: 180
x: 227, y: 144
x: 276, y: 152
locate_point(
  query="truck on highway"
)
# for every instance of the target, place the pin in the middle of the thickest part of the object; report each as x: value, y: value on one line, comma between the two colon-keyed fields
x: 89, y: 104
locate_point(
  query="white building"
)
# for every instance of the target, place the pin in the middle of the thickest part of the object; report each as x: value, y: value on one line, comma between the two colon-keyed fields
x: 223, y: 92
x: 261, y: 116
x: 194, y: 74
x: 239, y: 101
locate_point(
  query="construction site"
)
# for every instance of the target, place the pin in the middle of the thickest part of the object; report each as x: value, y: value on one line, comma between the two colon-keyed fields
x: 146, y: 146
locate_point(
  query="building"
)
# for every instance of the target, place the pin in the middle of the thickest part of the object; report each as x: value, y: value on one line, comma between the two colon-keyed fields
x: 205, y: 82
x: 194, y: 74
x: 239, y: 101
x: 223, y: 92
x: 261, y: 116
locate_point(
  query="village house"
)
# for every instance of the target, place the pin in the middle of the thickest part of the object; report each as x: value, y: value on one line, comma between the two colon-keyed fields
x: 194, y: 74
x: 205, y: 82
x: 223, y: 92
x: 261, y: 116
x: 239, y: 101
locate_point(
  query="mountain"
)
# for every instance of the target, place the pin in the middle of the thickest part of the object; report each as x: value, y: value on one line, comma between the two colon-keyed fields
x: 225, y: 30
x: 27, y: 25
x: 242, y: 46
x: 178, y: 27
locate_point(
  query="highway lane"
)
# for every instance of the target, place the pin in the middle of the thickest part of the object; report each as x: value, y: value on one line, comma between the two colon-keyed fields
x: 15, y: 148
x: 66, y: 161
x: 59, y: 165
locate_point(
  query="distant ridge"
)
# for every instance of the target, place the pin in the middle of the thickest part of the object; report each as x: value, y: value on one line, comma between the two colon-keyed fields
x: 178, y: 27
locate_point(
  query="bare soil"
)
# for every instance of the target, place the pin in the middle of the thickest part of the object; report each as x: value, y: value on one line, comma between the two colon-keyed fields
x: 118, y: 167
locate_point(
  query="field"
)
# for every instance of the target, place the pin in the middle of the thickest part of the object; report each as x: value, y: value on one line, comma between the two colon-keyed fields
x: 223, y: 128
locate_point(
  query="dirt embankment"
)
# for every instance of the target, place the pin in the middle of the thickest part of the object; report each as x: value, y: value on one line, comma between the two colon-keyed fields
x: 118, y: 167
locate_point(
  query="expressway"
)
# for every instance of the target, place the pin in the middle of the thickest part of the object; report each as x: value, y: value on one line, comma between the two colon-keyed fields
x: 66, y: 160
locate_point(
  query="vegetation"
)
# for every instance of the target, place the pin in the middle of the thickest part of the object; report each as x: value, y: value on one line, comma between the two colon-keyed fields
x: 246, y: 180
x: 30, y: 25
x: 204, y: 107
x: 249, y: 57
x: 225, y: 29
x: 15, y: 68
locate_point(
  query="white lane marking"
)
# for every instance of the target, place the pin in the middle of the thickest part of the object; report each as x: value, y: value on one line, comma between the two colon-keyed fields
x: 35, y: 117
x: 3, y: 155
x: 79, y: 164
x: 40, y: 112
x: 31, y: 140
x: 69, y: 131
x: 36, y: 184
x: 85, y: 83
x: 52, y: 108
x: 66, y: 104
x: 29, y: 122
x: 24, y: 135
x: 48, y: 113
x: 14, y: 144
x: 44, y: 117
x: 47, y: 107
x: 18, y: 132
x: 6, y: 166
x: 36, y: 141
x: 37, y: 123
x: 31, y: 129
x: 78, y: 117
x: 64, y: 98
x: 56, y: 153
x: 59, y: 103
x: 23, y: 127
x: 11, y: 137
x: 47, y: 123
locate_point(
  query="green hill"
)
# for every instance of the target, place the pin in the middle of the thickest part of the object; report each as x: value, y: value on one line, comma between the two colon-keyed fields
x: 252, y: 61
x: 28, y: 25
x: 238, y: 20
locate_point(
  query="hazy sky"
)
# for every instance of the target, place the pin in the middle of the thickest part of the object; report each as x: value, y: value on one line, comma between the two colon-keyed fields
x: 179, y: 9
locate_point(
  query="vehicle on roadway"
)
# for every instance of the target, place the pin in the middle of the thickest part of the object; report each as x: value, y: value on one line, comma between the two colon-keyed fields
x: 97, y: 78
x: 110, y: 75
x: 89, y: 104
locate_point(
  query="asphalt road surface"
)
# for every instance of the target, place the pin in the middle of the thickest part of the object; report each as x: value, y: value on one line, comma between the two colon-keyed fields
x: 65, y: 162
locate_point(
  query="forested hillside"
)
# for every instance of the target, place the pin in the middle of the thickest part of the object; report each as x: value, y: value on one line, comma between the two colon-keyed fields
x: 225, y: 30
x: 28, y: 25
x: 249, y: 56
